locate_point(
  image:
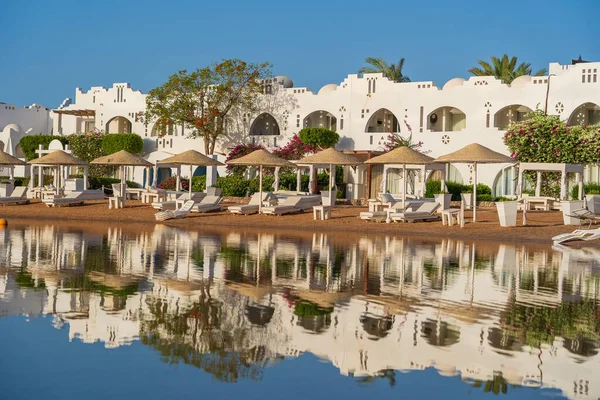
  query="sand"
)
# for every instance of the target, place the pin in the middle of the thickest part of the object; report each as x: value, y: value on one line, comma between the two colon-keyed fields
x: 541, y: 227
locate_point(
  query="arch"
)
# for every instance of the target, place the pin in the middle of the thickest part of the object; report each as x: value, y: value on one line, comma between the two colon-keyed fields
x: 264, y: 124
x: 1, y: 145
x: 118, y: 124
x: 504, y: 182
x: 159, y: 129
x: 200, y: 171
x: 18, y: 151
x: 446, y: 119
x: 440, y: 333
x: 585, y: 114
x: 321, y: 119
x: 258, y: 314
x: 376, y: 327
x: 163, y: 173
x: 512, y: 113
x: 382, y: 120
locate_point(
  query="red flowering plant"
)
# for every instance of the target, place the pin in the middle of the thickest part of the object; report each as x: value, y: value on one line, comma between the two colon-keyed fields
x: 394, y: 140
x: 171, y: 184
x: 239, y: 151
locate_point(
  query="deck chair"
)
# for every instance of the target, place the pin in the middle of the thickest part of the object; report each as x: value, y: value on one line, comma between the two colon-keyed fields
x: 213, y: 191
x: 179, y: 213
x: 425, y: 212
x: 208, y: 203
x: 172, y: 204
x: 578, y: 234
x: 590, y: 214
x: 386, y: 199
x: 71, y: 199
x: 252, y: 206
x: 290, y: 205
x: 18, y: 196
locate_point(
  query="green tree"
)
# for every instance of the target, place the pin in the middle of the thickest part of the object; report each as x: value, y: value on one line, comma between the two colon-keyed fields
x: 319, y: 137
x: 202, y: 100
x: 504, y: 68
x: 115, y: 142
x: 392, y: 71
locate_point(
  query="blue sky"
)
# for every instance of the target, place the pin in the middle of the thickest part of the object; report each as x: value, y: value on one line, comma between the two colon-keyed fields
x: 50, y: 48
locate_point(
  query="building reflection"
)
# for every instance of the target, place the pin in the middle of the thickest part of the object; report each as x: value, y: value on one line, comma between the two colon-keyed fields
x: 235, y: 303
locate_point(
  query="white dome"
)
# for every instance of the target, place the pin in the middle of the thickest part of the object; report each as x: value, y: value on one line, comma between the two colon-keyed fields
x: 14, y: 127
x: 453, y: 82
x: 284, y: 80
x: 520, y: 81
x: 328, y: 88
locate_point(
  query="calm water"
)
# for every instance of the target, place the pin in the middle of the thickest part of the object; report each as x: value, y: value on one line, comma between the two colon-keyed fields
x: 97, y: 312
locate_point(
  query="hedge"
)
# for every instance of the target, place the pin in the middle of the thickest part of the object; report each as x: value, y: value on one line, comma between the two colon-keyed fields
x: 96, y: 182
x: 484, y: 192
x: 111, y: 143
x: 29, y: 144
x: 588, y: 188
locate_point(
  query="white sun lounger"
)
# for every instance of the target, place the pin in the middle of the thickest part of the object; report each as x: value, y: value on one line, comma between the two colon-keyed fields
x: 425, y: 212
x: 208, y: 203
x: 18, y: 196
x: 386, y: 200
x: 179, y: 213
x: 71, y: 199
x: 289, y: 205
x: 252, y: 206
x: 172, y: 204
x: 578, y: 234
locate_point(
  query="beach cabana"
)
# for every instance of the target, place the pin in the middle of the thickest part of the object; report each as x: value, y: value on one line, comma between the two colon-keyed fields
x: 475, y: 154
x: 329, y: 158
x: 191, y: 158
x: 6, y: 160
x: 563, y: 169
x: 261, y: 158
x: 408, y: 159
x: 122, y: 159
x: 58, y: 159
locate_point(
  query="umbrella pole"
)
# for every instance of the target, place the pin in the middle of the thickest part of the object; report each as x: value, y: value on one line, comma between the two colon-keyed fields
x: 331, y: 202
x: 474, y: 192
x: 404, y: 184
x: 123, y: 186
x: 190, y: 182
x: 260, y: 188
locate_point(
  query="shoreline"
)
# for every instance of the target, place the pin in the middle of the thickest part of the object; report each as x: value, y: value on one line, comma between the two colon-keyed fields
x: 542, y: 225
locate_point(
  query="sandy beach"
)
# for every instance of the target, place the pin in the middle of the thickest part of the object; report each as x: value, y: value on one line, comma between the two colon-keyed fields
x: 541, y: 227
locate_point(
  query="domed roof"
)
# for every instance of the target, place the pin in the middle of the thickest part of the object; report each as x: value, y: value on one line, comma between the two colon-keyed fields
x: 328, y: 88
x: 284, y: 80
x: 520, y: 81
x: 14, y: 127
x: 453, y: 82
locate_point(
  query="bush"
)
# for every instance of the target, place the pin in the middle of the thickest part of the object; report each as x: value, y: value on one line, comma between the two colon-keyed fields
x: 88, y: 146
x: 29, y: 144
x: 589, y: 188
x: 233, y: 185
x: 171, y: 183
x: 318, y: 137
x: 456, y: 189
x: 96, y: 182
x: 199, y: 183
x: 114, y: 142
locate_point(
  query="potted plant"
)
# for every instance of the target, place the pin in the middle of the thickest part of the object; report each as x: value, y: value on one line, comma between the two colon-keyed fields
x: 467, y: 198
x: 507, y: 211
x: 443, y: 198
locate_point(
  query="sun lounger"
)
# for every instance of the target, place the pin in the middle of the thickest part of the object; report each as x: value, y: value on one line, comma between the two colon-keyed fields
x: 425, y: 212
x: 377, y: 208
x: 208, y: 203
x: 590, y: 214
x: 578, y: 234
x: 289, y: 205
x: 179, y: 213
x: 172, y: 204
x: 252, y: 206
x: 71, y: 199
x: 18, y: 196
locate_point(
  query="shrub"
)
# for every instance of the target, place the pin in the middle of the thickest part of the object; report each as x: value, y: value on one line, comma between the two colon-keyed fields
x: 88, y: 146
x: 455, y: 189
x: 111, y: 143
x: 199, y: 183
x: 29, y: 144
x: 171, y: 183
x: 589, y: 188
x: 97, y: 182
x: 318, y: 137
x: 233, y: 185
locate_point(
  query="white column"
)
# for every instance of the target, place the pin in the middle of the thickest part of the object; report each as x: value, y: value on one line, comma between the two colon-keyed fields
x: 538, y: 185
x: 40, y: 176
x: 442, y: 182
x: 155, y: 176
x: 563, y: 185
x: 178, y: 179
x: 32, y: 175
x: 520, y: 182
x: 511, y: 190
x: 298, y: 180
x: 11, y: 174
x: 276, y: 182
x: 147, y: 182
x: 85, y: 177
x: 474, y: 192
x: 384, y: 178
x: 579, y: 178
x: 311, y: 179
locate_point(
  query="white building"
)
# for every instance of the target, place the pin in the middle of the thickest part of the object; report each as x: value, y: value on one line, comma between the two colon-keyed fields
x: 362, y: 109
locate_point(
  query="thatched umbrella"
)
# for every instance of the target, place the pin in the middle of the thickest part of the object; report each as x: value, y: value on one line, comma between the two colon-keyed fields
x: 475, y: 154
x: 402, y: 155
x: 58, y: 158
x: 261, y: 158
x: 10, y: 161
x: 123, y: 159
x: 191, y: 158
x: 332, y: 157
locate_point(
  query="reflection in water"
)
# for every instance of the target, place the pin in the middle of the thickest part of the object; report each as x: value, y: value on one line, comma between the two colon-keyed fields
x: 232, y: 304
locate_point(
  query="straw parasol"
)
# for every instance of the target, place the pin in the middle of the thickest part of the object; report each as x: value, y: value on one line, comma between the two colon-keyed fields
x: 402, y: 155
x: 10, y: 161
x: 57, y: 159
x: 261, y: 158
x: 191, y: 158
x: 475, y: 154
x: 123, y: 159
x: 332, y: 157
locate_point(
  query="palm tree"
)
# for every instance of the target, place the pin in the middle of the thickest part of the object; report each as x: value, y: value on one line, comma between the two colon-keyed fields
x: 504, y: 68
x: 392, y: 71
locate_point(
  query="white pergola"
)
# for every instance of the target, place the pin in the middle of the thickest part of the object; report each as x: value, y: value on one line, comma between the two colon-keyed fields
x: 424, y: 169
x: 564, y: 169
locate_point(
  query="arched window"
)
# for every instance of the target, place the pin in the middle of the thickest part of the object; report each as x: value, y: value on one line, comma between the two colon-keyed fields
x: 160, y: 129
x: 118, y: 125
x: 508, y: 114
x: 446, y: 119
x: 585, y: 114
x: 19, y: 152
x: 383, y: 120
x: 264, y: 124
x: 321, y: 119
x: 1, y: 145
